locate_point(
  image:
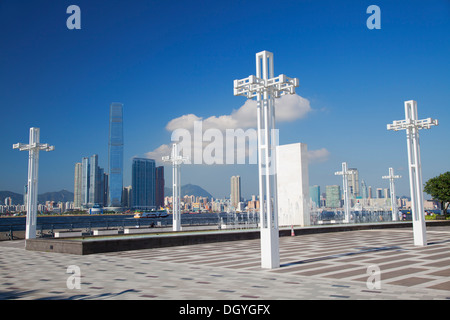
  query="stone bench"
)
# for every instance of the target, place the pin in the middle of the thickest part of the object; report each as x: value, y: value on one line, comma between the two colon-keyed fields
x: 138, y: 230
x: 65, y: 234
x: 105, y: 232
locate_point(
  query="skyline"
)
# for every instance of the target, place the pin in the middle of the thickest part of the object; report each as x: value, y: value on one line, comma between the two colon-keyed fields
x: 172, y: 65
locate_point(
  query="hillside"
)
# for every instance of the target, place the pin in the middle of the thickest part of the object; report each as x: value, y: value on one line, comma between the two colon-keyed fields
x: 17, y: 198
x: 189, y: 189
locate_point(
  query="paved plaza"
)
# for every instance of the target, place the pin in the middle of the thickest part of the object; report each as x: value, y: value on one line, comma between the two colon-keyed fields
x: 334, y: 265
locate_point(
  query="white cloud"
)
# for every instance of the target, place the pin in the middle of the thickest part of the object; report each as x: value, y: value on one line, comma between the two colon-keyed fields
x: 317, y: 156
x: 157, y: 154
x: 288, y: 108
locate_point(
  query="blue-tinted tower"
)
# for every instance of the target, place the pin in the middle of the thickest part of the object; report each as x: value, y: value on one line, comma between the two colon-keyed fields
x: 115, y: 155
x: 143, y: 183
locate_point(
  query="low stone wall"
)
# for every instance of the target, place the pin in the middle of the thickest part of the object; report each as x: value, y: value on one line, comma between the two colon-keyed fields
x: 92, y: 245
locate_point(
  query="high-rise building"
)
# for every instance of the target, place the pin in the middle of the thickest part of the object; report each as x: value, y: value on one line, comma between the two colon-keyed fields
x: 333, y: 196
x: 314, y: 193
x: 379, y: 193
x: 115, y: 155
x: 126, y: 197
x: 353, y: 183
x: 94, y: 180
x: 89, y: 183
x: 105, y: 188
x: 143, y: 183
x: 235, y: 196
x: 77, y: 186
x: 159, y: 186
x: 364, y: 194
x: 8, y: 201
x: 386, y: 193
x: 85, y: 170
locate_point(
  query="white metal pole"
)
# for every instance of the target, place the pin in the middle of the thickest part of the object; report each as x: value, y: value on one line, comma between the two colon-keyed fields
x: 412, y: 125
x: 265, y: 87
x: 33, y: 149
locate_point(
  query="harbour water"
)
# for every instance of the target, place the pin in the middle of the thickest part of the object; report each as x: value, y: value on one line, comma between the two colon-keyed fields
x: 236, y: 220
x: 113, y: 221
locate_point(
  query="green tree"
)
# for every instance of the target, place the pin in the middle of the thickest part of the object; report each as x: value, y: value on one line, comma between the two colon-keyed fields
x: 439, y: 188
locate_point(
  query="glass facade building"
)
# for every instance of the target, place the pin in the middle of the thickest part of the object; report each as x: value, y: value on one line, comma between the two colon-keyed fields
x: 77, y: 186
x: 159, y: 186
x: 143, y: 183
x: 85, y: 181
x: 333, y: 196
x: 314, y: 193
x: 115, y: 155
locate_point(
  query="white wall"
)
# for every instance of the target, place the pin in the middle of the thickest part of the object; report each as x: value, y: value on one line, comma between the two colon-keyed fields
x: 293, y: 185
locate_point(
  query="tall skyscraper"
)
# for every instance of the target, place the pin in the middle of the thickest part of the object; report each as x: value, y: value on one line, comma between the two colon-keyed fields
x: 379, y: 193
x: 115, y: 155
x: 235, y: 196
x: 126, y: 197
x: 353, y: 183
x: 85, y: 170
x: 77, y: 186
x: 159, y: 186
x: 364, y: 192
x: 333, y: 196
x: 94, y: 180
x: 89, y: 183
x: 314, y: 192
x: 143, y: 183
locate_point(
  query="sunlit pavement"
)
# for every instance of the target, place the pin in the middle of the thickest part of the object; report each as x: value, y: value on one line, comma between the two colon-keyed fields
x: 367, y: 264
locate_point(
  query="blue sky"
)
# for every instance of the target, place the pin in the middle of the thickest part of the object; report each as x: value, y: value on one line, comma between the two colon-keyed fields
x: 164, y: 59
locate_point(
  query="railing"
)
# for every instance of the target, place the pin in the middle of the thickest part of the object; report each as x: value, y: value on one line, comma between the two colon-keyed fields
x: 44, y: 229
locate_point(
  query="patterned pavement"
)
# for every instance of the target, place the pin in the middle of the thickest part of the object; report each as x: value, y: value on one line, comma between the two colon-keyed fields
x: 336, y: 265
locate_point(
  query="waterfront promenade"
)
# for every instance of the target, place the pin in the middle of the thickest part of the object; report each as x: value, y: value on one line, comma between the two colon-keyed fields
x: 314, y: 266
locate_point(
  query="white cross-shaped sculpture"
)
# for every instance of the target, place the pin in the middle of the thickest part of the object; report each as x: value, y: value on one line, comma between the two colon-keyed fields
x: 391, y: 178
x: 33, y: 149
x: 345, y: 173
x: 412, y: 126
x: 176, y: 160
x: 265, y: 87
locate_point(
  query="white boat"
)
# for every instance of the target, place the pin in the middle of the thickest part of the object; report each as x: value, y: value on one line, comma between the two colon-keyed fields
x: 150, y: 214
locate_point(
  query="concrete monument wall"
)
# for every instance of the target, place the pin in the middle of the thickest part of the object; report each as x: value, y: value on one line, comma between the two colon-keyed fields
x: 293, y: 185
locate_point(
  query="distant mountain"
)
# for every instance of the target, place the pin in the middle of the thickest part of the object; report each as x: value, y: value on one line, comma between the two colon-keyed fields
x: 17, y: 198
x: 189, y: 189
x: 58, y: 196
